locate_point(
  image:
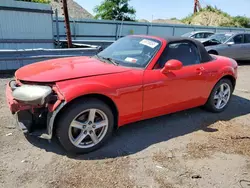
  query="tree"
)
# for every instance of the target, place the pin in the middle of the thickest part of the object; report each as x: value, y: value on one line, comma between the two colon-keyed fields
x: 115, y: 10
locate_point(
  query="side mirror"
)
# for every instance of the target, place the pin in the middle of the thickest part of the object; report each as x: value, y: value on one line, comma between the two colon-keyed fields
x: 230, y: 43
x: 172, y: 64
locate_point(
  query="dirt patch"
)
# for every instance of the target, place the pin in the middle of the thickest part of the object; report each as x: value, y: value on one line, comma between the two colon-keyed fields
x: 163, y: 183
x: 230, y: 138
x: 78, y: 174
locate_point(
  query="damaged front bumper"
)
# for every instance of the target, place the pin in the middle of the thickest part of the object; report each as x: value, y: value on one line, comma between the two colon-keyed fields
x: 35, y: 115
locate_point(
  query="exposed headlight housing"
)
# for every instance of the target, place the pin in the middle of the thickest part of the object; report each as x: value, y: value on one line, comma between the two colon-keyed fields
x: 32, y: 94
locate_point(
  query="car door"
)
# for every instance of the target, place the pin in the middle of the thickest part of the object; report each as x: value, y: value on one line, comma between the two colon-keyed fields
x: 234, y: 47
x: 178, y: 89
x: 246, y: 46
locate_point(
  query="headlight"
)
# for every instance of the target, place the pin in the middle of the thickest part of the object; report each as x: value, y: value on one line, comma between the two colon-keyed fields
x: 32, y: 94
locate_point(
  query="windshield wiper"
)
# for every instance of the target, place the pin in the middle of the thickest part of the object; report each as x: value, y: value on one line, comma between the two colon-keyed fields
x: 111, y: 60
x: 107, y: 59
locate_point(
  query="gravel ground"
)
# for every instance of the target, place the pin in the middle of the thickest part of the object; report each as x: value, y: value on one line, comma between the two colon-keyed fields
x: 193, y: 148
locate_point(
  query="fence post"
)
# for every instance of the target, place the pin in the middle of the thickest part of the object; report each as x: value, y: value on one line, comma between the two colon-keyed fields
x: 57, y: 26
x: 147, y: 29
x: 74, y: 29
x: 173, y: 30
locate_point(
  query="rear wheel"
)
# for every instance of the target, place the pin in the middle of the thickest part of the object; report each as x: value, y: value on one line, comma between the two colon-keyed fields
x: 220, y: 96
x: 85, y: 126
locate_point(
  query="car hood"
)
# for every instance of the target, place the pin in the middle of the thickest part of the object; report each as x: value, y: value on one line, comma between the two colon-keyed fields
x: 65, y: 69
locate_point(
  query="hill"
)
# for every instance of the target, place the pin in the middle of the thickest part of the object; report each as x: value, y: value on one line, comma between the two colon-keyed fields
x: 208, y: 16
x: 212, y: 16
x: 75, y: 10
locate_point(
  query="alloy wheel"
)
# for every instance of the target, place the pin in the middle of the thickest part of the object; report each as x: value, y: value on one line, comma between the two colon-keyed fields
x: 88, y: 128
x: 222, y: 96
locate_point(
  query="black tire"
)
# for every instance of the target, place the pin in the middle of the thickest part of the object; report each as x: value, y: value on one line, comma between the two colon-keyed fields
x: 72, y: 111
x: 210, y: 104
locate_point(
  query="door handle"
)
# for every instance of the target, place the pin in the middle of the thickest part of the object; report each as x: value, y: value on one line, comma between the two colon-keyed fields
x: 199, y: 70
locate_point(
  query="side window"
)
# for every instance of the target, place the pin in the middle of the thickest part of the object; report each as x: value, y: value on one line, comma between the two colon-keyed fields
x: 198, y: 36
x: 247, y: 38
x: 186, y: 52
x: 206, y: 35
x: 238, y: 39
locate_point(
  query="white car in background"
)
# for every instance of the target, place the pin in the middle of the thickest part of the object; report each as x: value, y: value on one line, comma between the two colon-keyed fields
x: 198, y: 35
x: 235, y: 45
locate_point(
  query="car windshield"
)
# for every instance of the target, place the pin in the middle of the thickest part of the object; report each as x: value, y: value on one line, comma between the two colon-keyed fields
x: 131, y: 51
x: 187, y: 34
x: 221, y: 37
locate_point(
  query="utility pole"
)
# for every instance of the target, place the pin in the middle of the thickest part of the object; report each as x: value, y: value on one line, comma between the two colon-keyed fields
x: 197, y: 6
x: 67, y: 24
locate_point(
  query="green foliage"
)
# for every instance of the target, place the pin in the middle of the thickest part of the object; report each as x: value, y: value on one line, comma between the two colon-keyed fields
x: 37, y: 1
x: 115, y: 10
x: 188, y: 19
x: 215, y: 10
x: 238, y: 21
x: 173, y: 18
x: 241, y: 21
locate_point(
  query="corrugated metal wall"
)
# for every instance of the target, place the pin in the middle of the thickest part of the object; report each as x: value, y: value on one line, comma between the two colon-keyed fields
x: 25, y: 25
x: 110, y: 30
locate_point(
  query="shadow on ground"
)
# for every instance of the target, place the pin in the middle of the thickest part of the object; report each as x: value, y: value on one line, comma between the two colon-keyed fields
x: 6, y: 74
x: 242, y: 63
x: 138, y: 136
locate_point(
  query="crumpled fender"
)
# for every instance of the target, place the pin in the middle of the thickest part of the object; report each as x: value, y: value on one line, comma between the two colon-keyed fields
x: 72, y: 89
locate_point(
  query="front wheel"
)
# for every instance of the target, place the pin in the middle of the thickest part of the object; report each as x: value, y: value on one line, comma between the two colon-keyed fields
x: 220, y: 96
x: 85, y: 126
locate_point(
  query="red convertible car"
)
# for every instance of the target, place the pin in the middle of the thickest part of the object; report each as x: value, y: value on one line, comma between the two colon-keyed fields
x: 83, y: 100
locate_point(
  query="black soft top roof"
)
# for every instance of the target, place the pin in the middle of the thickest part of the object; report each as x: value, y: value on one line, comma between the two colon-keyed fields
x: 205, y: 57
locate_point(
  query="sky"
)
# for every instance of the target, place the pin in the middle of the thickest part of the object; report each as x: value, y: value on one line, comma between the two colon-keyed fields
x: 146, y: 9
